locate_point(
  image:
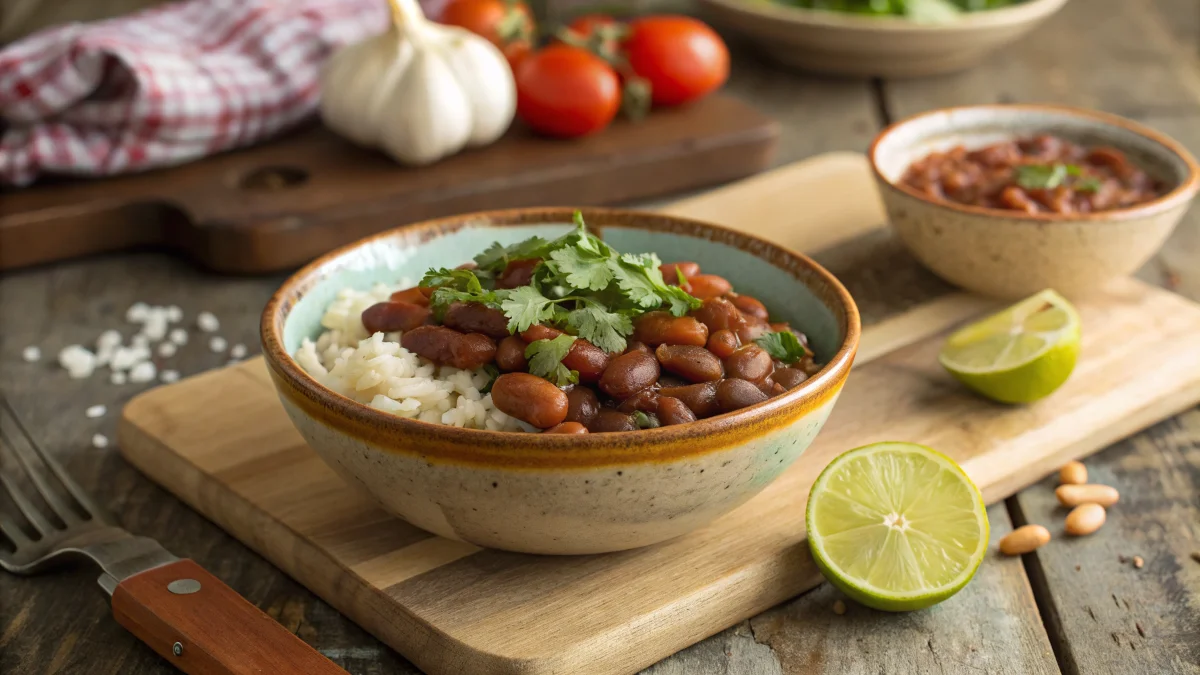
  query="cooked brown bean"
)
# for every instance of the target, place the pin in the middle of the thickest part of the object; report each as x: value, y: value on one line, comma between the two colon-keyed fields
x: 540, y: 332
x: 469, y: 265
x: 734, y: 394
x: 789, y: 377
x: 719, y: 314
x: 705, y: 286
x: 670, y: 380
x: 645, y: 400
x: 657, y: 328
x: 635, y: 346
x: 448, y: 346
x: 690, y: 362
x: 671, y: 276
x: 474, y: 317
x: 529, y: 398
x: 673, y: 411
x: 808, y: 365
x: 390, y: 316
x: 427, y: 291
x: 752, y: 330
x: 766, y: 386
x: 567, y: 428
x: 413, y: 295
x: 723, y: 343
x: 777, y: 389
x: 510, y: 354
x: 749, y: 362
x: 700, y: 398
x: 749, y: 306
x: 582, y: 405
x: 612, y: 420
x: 628, y: 374
x: 517, y: 273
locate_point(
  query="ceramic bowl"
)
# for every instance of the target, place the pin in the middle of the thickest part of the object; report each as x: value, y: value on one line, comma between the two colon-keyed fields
x: 894, y: 47
x: 1009, y: 255
x: 562, y: 494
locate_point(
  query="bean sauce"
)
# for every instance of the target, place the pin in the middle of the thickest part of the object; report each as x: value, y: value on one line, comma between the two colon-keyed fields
x: 1038, y: 174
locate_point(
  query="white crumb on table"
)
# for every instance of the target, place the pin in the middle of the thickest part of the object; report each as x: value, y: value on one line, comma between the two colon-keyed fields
x: 143, y: 372
x: 118, y: 378
x: 207, y: 322
x: 178, y: 337
x: 238, y: 351
x: 99, y: 441
x: 31, y: 354
x: 167, y: 349
x: 169, y: 376
x: 96, y: 411
x: 217, y: 344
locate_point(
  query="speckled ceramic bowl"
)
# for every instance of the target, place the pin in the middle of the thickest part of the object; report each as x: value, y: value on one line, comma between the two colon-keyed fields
x: 1007, y: 254
x: 562, y: 494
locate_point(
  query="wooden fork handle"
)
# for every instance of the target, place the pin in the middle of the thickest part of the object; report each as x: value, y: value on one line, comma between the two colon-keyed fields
x: 204, y: 627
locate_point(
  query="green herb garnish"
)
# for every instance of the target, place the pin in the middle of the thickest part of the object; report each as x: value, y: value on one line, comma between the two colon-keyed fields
x: 492, y: 372
x: 644, y: 421
x: 545, y: 359
x: 782, y: 346
x: 1050, y: 176
x: 1088, y: 184
x: 581, y: 285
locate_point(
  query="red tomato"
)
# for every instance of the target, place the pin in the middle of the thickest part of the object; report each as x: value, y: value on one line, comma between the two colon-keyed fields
x: 588, y: 23
x: 566, y: 91
x: 681, y: 57
x: 491, y: 19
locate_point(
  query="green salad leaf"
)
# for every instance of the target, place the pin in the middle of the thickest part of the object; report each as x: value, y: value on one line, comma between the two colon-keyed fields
x: 782, y: 346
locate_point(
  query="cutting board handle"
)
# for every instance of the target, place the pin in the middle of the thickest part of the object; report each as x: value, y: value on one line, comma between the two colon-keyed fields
x: 203, y: 627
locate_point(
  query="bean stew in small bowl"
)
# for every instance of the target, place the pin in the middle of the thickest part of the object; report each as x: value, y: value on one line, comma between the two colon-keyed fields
x: 1007, y: 200
x: 551, y: 381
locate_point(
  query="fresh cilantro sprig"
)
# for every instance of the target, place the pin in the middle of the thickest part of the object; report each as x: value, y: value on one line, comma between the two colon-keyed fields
x: 581, y: 285
x: 545, y: 359
x: 1050, y: 176
x: 782, y: 346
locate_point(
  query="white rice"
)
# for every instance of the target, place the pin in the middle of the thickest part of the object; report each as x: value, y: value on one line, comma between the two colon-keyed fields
x: 377, y: 371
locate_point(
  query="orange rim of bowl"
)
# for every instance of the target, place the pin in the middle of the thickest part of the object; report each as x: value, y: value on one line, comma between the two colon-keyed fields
x: 534, y: 450
x: 1183, y: 192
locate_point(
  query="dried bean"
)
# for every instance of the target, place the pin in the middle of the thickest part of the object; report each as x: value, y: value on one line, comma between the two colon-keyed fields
x: 1024, y: 539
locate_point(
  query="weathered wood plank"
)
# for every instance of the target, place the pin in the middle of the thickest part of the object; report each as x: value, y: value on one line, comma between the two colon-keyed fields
x: 1107, y: 615
x: 991, y: 626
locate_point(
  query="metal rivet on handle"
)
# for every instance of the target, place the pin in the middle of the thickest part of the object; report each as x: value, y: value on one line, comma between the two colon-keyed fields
x: 177, y: 649
x: 183, y: 586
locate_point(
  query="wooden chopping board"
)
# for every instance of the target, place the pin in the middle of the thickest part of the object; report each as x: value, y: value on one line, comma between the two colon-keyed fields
x: 222, y: 443
x: 278, y: 205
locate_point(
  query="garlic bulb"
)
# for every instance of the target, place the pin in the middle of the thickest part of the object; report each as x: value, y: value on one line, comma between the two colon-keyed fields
x: 420, y: 91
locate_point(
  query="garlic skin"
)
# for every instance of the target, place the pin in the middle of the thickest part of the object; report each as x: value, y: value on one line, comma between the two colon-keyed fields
x: 420, y: 91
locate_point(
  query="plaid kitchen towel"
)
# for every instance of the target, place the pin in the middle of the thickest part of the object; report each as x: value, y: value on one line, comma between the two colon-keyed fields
x: 167, y: 85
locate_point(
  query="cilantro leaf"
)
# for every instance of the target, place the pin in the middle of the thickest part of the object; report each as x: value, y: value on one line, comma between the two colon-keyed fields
x: 782, y: 346
x: 582, y: 271
x: 545, y: 359
x: 644, y: 421
x: 601, y: 327
x: 1088, y: 184
x: 493, y: 372
x: 524, y: 307
x: 459, y: 280
x: 638, y: 287
x: 1041, y: 176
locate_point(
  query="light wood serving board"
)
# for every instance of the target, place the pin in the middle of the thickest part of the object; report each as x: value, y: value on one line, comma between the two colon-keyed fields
x: 222, y: 443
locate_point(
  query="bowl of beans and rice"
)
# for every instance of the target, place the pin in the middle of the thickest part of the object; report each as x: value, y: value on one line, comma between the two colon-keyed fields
x: 1008, y: 200
x: 520, y: 380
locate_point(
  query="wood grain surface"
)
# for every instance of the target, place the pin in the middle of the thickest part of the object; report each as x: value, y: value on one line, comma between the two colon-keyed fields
x: 222, y: 443
x: 53, y: 306
x: 279, y: 204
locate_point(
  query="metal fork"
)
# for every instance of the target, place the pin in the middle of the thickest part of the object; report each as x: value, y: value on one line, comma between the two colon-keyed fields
x: 181, y: 611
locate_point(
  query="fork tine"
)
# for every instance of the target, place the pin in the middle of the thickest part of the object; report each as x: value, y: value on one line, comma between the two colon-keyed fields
x: 9, y: 528
x: 26, y: 507
x: 56, y: 505
x: 63, y: 477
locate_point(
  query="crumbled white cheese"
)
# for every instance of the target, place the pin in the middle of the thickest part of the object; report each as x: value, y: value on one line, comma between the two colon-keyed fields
x: 79, y: 362
x: 238, y: 351
x: 99, y: 441
x: 137, y: 312
x: 178, y: 336
x: 217, y: 344
x: 109, y: 339
x: 174, y: 314
x: 169, y: 376
x: 96, y: 411
x: 143, y: 372
x: 156, y: 325
x: 117, y: 378
x: 140, y: 341
x: 31, y: 354
x: 125, y: 358
x: 167, y: 350
x: 208, y: 322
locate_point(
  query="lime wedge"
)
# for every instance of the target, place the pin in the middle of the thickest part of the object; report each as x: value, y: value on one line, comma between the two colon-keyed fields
x: 896, y: 526
x: 1018, y: 355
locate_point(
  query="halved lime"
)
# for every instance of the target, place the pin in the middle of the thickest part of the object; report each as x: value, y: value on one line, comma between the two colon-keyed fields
x: 896, y: 526
x: 1018, y: 355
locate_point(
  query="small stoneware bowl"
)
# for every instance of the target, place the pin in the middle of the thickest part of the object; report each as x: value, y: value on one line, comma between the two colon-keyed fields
x: 563, y: 494
x: 1007, y: 254
x: 853, y: 44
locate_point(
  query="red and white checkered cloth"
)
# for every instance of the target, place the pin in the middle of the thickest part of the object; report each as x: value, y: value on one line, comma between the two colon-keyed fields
x: 168, y: 85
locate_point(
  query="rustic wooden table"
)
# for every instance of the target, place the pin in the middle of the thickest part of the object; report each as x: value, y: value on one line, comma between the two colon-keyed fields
x: 1079, y: 606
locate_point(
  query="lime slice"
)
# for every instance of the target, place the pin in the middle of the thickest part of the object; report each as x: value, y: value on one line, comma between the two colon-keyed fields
x: 896, y: 526
x: 1018, y: 355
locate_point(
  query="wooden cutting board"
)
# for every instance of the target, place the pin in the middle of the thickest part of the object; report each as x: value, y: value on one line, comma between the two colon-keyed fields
x: 278, y: 205
x: 222, y: 443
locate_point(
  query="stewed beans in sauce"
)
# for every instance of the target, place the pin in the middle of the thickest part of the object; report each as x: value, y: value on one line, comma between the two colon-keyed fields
x: 1037, y: 174
x: 589, y: 359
